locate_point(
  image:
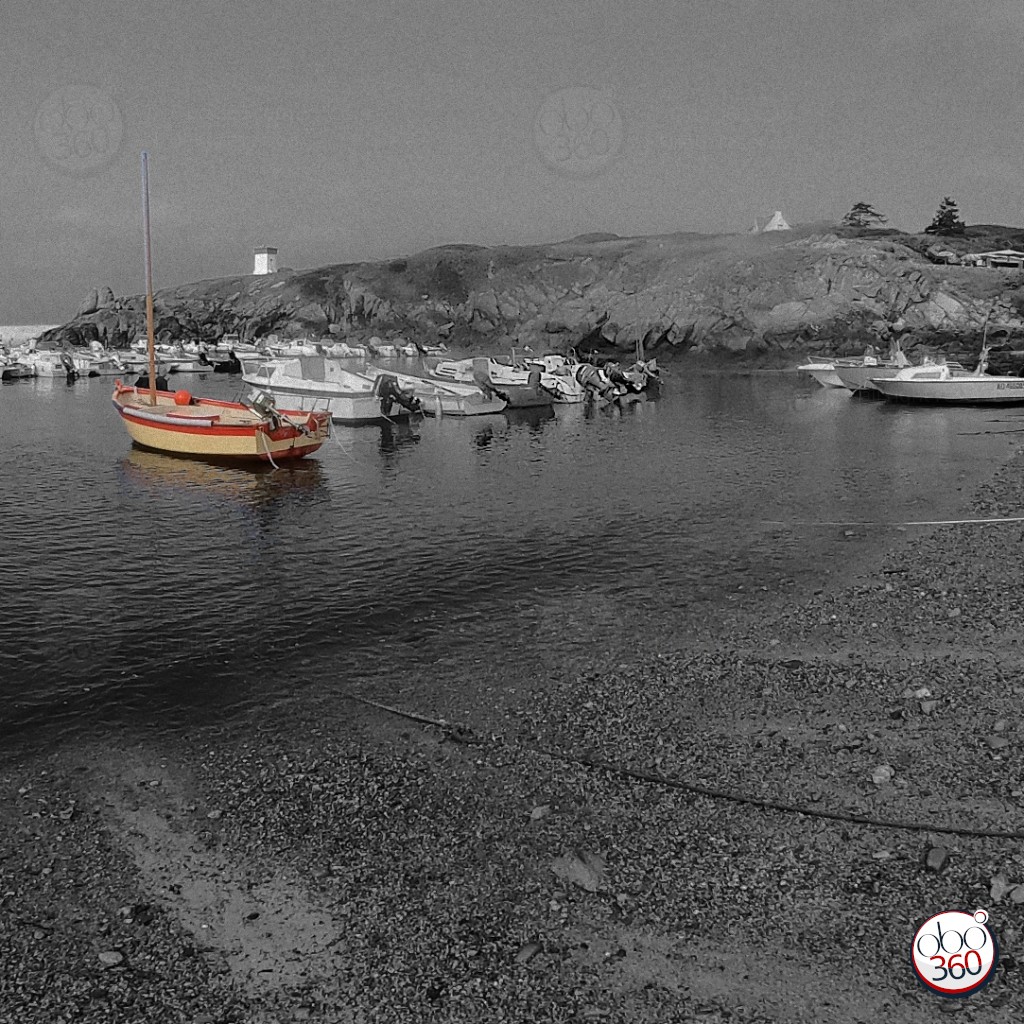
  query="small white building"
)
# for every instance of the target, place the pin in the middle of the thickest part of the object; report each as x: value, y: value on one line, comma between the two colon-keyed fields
x: 777, y: 223
x: 265, y: 260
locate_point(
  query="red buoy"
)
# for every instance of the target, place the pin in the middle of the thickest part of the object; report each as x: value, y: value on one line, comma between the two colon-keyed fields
x: 182, y: 397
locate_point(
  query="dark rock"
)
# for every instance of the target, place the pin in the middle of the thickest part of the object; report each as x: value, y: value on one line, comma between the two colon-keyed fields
x: 89, y: 304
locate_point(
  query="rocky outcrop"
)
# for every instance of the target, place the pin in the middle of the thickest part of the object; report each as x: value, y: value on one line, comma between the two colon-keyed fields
x: 762, y: 296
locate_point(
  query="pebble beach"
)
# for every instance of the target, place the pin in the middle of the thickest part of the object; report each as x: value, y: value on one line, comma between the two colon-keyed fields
x: 746, y: 826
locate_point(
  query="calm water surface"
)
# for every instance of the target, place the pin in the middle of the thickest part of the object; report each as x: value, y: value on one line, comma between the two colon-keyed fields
x: 139, y: 588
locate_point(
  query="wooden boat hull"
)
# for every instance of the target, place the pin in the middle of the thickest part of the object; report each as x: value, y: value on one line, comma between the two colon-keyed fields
x: 211, y: 429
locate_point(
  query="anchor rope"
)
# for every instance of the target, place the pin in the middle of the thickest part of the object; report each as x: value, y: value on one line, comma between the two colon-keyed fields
x: 464, y: 734
x: 894, y: 525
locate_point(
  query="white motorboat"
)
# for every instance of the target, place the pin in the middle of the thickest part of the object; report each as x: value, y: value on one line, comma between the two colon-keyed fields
x: 341, y: 350
x: 313, y: 383
x: 557, y: 375
x: 446, y: 398
x: 94, y: 361
x: 951, y: 383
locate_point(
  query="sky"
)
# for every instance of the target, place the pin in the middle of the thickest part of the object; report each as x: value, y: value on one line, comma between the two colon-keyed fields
x: 344, y: 131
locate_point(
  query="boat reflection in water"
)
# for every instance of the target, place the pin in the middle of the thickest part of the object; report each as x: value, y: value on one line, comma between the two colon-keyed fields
x: 253, y: 484
x: 533, y: 417
x: 394, y: 437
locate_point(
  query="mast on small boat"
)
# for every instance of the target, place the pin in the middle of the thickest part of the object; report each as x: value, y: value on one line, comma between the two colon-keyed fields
x: 150, y: 339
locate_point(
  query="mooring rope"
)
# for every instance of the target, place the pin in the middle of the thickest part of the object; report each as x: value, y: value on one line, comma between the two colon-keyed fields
x: 894, y: 525
x: 266, y: 444
x: 463, y: 734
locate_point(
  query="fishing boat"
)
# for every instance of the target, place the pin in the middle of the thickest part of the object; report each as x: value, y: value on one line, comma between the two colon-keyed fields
x: 451, y: 398
x: 179, y: 424
x: 314, y: 383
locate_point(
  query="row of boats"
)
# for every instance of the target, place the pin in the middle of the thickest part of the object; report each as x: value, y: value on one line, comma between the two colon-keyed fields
x: 293, y: 402
x: 26, y: 361
x: 467, y: 387
x: 943, y: 381
x: 295, y: 396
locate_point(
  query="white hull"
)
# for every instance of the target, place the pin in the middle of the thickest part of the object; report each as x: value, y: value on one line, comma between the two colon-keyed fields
x: 559, y: 379
x: 450, y: 398
x: 971, y: 390
x: 313, y: 384
x: 824, y: 373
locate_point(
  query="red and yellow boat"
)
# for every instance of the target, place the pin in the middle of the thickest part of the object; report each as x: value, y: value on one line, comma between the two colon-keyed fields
x: 179, y: 424
x: 176, y: 423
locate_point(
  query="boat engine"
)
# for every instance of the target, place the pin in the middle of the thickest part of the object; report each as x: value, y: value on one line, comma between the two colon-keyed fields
x: 390, y: 391
x: 262, y: 403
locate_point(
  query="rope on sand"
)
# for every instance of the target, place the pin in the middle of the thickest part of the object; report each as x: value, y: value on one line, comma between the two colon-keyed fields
x: 463, y: 734
x: 912, y: 522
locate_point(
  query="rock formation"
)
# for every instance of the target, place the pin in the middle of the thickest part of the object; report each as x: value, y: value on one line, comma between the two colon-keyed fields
x: 767, y: 296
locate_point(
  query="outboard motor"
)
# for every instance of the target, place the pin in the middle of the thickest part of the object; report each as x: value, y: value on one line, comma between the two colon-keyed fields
x: 390, y: 392
x: 230, y: 365
x: 70, y: 371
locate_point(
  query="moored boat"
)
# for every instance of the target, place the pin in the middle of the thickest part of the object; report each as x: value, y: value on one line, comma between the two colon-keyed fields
x: 944, y: 383
x: 208, y: 428
x: 450, y: 398
x: 179, y: 424
x: 824, y: 372
x: 315, y: 383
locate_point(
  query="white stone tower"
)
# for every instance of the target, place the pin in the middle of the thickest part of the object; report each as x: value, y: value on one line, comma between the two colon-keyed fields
x: 265, y: 260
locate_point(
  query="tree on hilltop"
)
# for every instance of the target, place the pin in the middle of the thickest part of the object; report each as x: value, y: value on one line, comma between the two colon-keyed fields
x: 946, y: 220
x: 863, y: 215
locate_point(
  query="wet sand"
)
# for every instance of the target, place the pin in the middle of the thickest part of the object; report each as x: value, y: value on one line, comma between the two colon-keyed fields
x: 343, y: 863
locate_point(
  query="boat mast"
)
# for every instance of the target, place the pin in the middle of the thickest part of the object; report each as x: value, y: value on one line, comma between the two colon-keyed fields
x: 151, y: 341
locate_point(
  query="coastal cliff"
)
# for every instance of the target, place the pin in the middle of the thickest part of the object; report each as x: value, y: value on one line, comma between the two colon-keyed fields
x: 768, y: 297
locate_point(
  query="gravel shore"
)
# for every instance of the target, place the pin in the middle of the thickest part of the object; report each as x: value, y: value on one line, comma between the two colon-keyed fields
x: 346, y: 864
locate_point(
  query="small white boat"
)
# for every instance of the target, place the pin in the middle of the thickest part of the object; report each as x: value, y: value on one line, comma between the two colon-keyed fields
x: 313, y: 383
x: 341, y: 350
x: 11, y: 369
x: 448, y: 398
x: 90, y: 362
x: 824, y: 373
x: 557, y: 376
x: 947, y: 383
x: 862, y: 378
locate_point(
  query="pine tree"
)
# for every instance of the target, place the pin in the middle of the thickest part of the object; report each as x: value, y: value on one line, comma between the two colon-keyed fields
x: 946, y: 220
x: 863, y: 215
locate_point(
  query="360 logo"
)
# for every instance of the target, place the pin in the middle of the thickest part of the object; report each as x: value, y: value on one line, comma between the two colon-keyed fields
x: 955, y: 953
x: 78, y: 129
x: 578, y: 130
